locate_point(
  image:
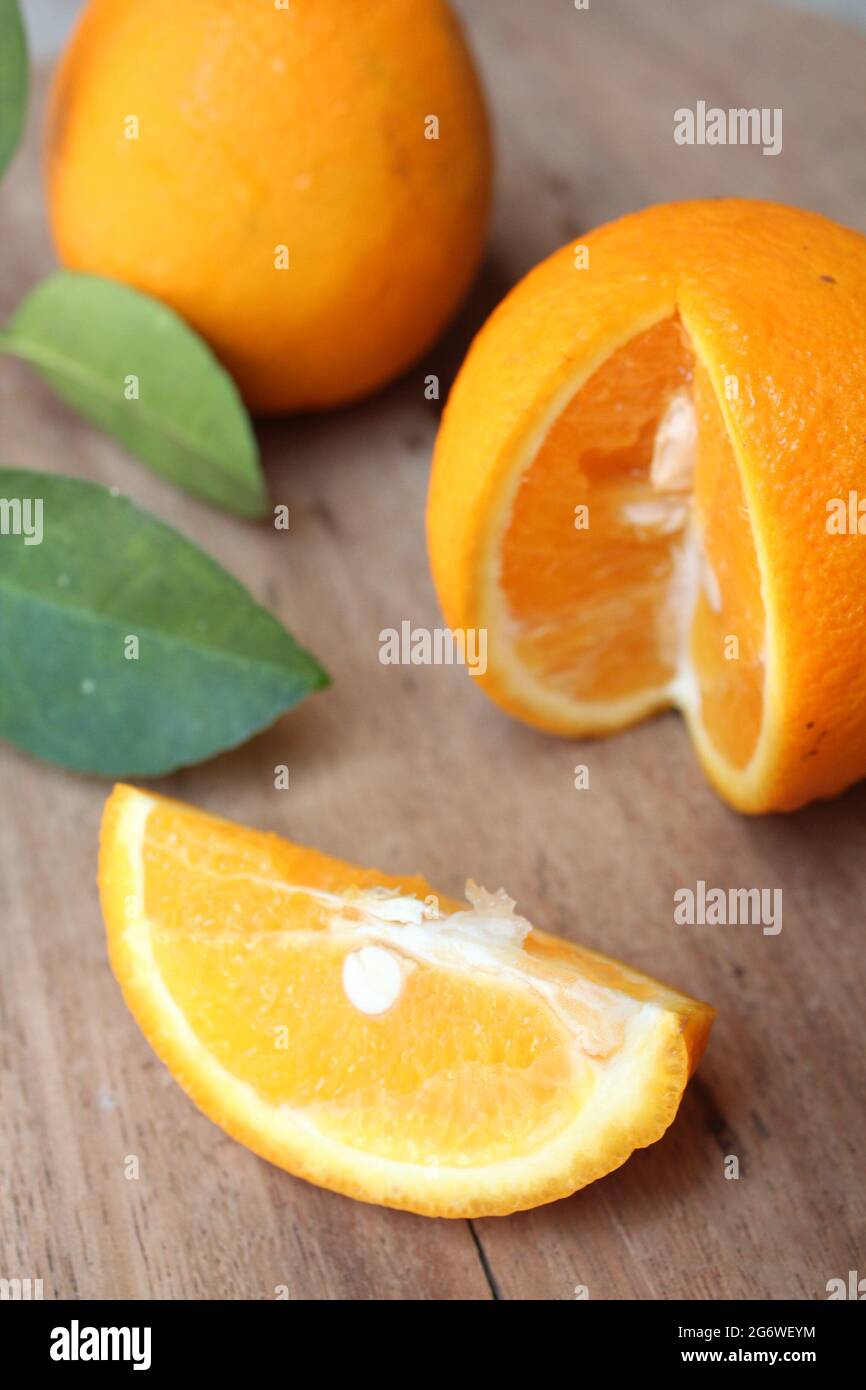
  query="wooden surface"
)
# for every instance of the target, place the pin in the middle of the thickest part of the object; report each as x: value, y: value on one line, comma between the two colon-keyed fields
x: 415, y: 769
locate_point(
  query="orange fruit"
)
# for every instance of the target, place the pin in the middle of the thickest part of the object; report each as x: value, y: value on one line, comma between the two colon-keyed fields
x: 637, y: 484
x: 463, y: 1064
x: 271, y: 173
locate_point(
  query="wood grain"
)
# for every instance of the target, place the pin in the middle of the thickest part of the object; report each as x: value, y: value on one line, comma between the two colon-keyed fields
x: 414, y: 769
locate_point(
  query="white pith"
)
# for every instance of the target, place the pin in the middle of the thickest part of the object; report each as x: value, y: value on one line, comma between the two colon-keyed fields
x: 489, y: 937
x: 675, y: 447
x: 672, y: 476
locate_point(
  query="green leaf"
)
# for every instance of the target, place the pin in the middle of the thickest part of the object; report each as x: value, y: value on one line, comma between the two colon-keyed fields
x: 13, y: 79
x: 83, y: 571
x: 99, y: 343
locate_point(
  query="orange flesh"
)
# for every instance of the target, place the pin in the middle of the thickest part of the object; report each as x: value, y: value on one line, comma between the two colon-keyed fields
x: 236, y: 945
x: 597, y: 610
x: 731, y: 689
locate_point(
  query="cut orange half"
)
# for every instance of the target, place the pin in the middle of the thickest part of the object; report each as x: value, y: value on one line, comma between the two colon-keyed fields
x: 366, y: 1035
x: 642, y: 491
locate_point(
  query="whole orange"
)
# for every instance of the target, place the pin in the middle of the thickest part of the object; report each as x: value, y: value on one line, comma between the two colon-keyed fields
x: 306, y: 183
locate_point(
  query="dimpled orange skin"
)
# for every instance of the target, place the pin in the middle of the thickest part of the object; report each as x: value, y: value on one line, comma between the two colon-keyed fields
x: 261, y: 127
x: 774, y: 296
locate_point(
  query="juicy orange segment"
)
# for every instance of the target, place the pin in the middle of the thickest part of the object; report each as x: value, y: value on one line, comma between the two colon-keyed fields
x: 368, y: 1036
x: 631, y: 486
x: 590, y: 630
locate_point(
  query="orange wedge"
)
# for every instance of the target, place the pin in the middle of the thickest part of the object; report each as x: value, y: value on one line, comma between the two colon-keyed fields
x: 368, y: 1036
x: 645, y: 491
